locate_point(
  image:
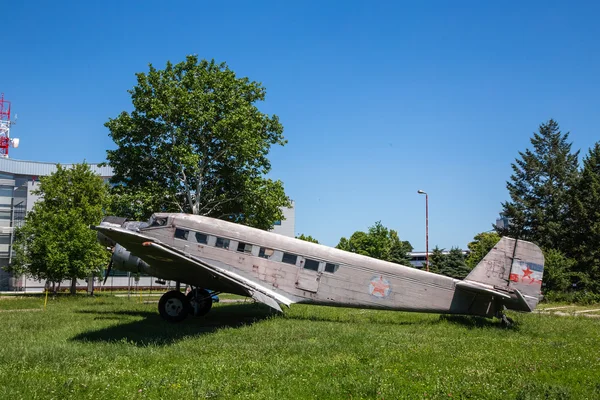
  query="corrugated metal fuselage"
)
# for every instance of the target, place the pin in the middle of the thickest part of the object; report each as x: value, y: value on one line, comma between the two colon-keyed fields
x: 357, y: 281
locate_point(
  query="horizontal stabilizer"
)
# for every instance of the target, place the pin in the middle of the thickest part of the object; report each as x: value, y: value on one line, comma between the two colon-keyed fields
x: 478, y: 288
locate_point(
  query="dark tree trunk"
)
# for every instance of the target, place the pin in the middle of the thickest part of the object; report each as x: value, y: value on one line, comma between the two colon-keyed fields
x: 73, y: 285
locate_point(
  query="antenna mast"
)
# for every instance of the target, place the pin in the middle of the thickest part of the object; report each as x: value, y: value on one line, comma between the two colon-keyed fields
x: 5, y: 122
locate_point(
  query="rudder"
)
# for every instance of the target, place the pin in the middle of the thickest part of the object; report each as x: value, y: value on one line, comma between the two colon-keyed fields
x: 513, y: 265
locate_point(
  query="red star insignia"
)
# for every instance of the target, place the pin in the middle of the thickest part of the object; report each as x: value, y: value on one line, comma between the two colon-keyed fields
x: 379, y: 286
x: 527, y: 273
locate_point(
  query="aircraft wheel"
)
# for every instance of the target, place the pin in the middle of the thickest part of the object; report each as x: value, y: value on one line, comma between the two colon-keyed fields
x: 173, y: 306
x: 200, y: 301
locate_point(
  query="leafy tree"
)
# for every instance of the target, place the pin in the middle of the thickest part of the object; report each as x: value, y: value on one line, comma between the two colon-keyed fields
x: 558, y: 271
x: 585, y: 219
x: 307, y: 238
x: 539, y: 189
x: 55, y: 242
x: 481, y: 245
x: 379, y: 242
x: 196, y: 143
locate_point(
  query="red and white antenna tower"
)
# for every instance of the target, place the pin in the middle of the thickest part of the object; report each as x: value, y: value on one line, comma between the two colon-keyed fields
x: 5, y: 139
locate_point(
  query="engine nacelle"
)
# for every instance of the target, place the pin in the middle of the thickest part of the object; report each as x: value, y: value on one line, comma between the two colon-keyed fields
x: 123, y: 260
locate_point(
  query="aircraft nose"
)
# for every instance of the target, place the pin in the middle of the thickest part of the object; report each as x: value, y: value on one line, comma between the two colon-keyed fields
x: 109, y: 221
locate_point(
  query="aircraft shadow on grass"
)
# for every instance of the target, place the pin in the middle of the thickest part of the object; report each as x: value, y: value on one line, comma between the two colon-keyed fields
x: 474, y: 322
x: 467, y: 321
x: 153, y: 330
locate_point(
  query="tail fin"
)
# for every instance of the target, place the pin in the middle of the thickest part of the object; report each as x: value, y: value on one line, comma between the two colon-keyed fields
x: 516, y: 266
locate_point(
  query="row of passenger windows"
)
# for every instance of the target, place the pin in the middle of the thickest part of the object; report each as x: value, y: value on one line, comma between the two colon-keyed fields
x: 247, y: 248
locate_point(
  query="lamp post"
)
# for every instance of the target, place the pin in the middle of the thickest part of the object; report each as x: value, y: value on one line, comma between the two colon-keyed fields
x: 426, y: 228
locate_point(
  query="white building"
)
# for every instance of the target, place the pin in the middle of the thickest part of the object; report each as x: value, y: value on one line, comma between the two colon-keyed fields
x: 18, y: 179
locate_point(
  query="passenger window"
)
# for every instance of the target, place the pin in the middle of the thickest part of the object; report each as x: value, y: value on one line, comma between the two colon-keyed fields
x: 265, y: 252
x: 222, y: 243
x: 201, y: 238
x: 181, y: 234
x: 244, y: 247
x: 311, y: 264
x: 289, y: 258
x: 329, y: 267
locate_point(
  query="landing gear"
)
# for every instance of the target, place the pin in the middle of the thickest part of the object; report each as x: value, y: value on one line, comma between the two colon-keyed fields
x: 200, y: 301
x: 506, y: 320
x: 173, y: 306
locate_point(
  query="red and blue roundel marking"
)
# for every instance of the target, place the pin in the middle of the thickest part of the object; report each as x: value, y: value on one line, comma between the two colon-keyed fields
x: 379, y: 287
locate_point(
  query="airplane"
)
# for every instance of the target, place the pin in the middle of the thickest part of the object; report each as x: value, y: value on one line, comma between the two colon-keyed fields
x: 215, y: 256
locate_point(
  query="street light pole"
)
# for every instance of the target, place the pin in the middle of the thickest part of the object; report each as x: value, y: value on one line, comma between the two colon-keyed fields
x: 426, y: 228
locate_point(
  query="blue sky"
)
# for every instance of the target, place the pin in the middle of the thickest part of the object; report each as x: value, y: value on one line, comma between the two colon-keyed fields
x: 378, y: 99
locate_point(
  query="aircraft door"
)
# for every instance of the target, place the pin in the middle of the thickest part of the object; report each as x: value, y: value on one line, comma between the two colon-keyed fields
x: 309, y: 275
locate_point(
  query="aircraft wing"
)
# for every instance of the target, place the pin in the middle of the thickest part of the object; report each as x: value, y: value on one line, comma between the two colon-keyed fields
x: 151, y: 249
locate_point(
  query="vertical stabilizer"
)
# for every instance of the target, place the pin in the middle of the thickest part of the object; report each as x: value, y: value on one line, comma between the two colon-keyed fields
x: 514, y: 265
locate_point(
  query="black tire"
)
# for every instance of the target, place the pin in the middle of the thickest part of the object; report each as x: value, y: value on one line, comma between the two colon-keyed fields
x: 203, y: 305
x: 173, y: 306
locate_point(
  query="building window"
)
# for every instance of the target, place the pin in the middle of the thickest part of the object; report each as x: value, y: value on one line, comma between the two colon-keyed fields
x: 201, y: 238
x: 331, y: 268
x: 181, y: 234
x: 289, y: 258
x: 313, y: 265
x: 222, y: 243
x: 265, y: 252
x: 277, y: 223
x: 244, y: 247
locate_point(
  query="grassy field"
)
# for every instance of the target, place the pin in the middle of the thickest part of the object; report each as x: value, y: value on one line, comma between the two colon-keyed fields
x: 114, y: 347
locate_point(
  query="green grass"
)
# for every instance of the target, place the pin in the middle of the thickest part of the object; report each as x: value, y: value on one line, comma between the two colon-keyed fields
x: 118, y: 348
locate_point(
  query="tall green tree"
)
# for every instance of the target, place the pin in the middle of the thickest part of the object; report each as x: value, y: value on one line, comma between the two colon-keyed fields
x: 436, y: 260
x: 585, y: 219
x: 453, y: 264
x: 481, y: 245
x: 378, y: 242
x: 539, y: 187
x: 55, y: 242
x: 196, y: 142
x: 307, y: 238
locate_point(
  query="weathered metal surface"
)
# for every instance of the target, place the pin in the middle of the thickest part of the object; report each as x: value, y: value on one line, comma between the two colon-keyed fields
x: 295, y: 270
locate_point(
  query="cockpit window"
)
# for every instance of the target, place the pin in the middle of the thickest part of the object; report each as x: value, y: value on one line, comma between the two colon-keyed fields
x: 154, y: 221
